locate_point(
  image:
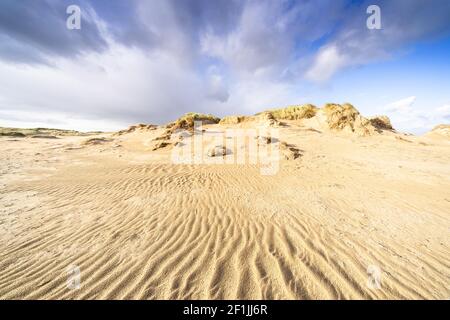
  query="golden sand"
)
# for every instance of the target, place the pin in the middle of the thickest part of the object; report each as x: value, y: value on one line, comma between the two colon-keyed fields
x: 139, y: 226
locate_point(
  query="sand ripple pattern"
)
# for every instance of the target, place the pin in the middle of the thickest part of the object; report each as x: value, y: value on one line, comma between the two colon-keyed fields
x: 213, y: 232
x: 139, y: 227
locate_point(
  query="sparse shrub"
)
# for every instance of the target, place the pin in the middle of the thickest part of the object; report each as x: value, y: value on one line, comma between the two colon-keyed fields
x: 340, y: 116
x: 381, y: 122
x: 187, y: 121
x: 233, y: 119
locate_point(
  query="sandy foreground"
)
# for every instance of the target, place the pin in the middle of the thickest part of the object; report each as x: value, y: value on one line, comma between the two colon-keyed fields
x: 350, y: 218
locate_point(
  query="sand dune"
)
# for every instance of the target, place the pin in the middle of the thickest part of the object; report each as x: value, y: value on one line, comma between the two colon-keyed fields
x: 139, y: 226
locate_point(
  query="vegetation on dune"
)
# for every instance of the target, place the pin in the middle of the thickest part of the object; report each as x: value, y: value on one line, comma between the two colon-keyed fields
x: 381, y: 122
x: 161, y: 145
x: 15, y: 134
x: 193, y: 116
x: 297, y: 112
x: 340, y: 116
x: 137, y: 127
x: 233, y: 119
x: 187, y: 121
x: 334, y: 116
x: 36, y: 132
x: 95, y: 141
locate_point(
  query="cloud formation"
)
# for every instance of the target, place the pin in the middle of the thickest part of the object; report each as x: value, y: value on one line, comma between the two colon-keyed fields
x: 150, y: 61
x: 443, y: 112
x: 35, y: 31
x: 402, y: 105
x: 409, y: 118
x: 403, y: 22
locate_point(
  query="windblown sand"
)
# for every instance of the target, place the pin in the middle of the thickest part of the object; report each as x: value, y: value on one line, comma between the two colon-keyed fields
x: 140, y: 227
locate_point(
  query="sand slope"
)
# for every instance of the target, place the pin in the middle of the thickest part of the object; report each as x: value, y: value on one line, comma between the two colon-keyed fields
x: 141, y: 227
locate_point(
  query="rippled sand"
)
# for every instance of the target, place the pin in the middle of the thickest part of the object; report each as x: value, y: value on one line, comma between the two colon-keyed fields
x: 140, y: 227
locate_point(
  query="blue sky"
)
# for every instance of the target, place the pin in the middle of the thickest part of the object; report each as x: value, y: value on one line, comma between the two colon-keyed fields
x: 151, y: 61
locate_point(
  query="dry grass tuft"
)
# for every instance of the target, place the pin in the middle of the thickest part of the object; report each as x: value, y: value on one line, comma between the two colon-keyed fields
x: 137, y: 127
x: 289, y: 151
x: 346, y: 117
x: 161, y: 145
x: 21, y: 132
x: 293, y: 112
x: 234, y: 119
x: 340, y: 116
x: 381, y: 122
x: 186, y: 122
x: 96, y: 141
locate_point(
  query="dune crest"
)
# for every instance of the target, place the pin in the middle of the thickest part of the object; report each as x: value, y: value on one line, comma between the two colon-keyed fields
x: 442, y: 130
x: 333, y: 117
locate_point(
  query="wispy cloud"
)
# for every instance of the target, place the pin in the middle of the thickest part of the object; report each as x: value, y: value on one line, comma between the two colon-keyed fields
x: 327, y: 62
x: 402, y: 105
x: 443, y: 112
x: 403, y: 23
x: 407, y: 117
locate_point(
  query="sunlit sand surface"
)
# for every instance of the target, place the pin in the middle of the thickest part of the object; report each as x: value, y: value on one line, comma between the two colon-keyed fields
x: 139, y: 226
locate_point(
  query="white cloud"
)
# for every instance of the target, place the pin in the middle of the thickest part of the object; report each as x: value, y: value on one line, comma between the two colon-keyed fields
x: 37, y: 119
x: 403, y: 23
x: 260, y: 41
x: 418, y: 119
x: 443, y: 112
x: 122, y: 85
x: 327, y: 62
x: 402, y: 105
